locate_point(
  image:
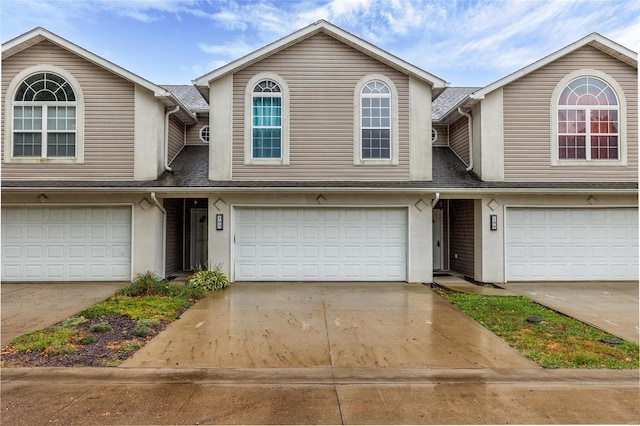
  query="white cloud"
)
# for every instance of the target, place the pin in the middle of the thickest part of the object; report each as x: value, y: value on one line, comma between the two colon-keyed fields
x: 229, y: 50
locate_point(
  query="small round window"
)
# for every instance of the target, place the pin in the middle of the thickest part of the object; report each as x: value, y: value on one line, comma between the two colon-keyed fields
x: 204, y: 134
x: 434, y: 135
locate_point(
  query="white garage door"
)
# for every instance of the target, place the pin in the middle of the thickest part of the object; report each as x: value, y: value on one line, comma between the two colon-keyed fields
x: 320, y: 244
x: 66, y: 244
x: 572, y: 244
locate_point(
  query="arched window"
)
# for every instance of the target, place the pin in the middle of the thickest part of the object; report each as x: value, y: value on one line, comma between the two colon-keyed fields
x: 375, y: 121
x: 588, y: 121
x: 266, y: 120
x: 44, y: 117
x: 375, y: 107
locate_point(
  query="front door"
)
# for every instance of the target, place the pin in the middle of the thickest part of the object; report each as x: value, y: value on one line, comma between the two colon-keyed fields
x: 199, y: 231
x: 437, y: 239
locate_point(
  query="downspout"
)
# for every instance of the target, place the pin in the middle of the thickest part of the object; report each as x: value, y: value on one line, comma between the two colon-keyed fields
x: 470, y: 123
x: 435, y: 200
x: 166, y: 137
x: 164, y: 232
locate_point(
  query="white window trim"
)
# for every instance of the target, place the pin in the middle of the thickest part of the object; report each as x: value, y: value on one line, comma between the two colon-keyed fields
x: 357, y: 115
x: 622, y: 121
x: 434, y: 135
x: 8, y: 113
x: 202, y: 129
x: 248, y: 133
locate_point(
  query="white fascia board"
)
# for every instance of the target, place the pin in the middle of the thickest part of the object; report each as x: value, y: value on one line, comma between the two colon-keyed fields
x: 596, y: 40
x: 38, y: 34
x: 332, y: 30
x: 444, y: 192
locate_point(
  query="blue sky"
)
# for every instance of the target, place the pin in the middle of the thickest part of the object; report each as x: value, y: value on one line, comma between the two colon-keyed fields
x: 468, y: 43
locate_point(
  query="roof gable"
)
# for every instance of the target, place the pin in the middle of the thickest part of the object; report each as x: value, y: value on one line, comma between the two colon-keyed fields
x: 39, y: 34
x: 437, y: 83
x: 595, y: 40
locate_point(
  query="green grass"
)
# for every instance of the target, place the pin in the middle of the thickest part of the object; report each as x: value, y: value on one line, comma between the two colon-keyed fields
x: 52, y: 340
x: 148, y: 307
x: 558, y: 342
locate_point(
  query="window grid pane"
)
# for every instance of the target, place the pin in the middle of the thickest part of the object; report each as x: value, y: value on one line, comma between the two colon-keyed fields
x: 266, y: 143
x: 27, y: 145
x: 61, y: 145
x: 376, y: 143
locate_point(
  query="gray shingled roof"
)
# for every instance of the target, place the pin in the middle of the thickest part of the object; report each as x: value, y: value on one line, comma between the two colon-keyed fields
x: 189, y: 96
x: 191, y: 171
x: 449, y: 99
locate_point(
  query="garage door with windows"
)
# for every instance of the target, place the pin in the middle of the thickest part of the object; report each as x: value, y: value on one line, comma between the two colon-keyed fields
x: 320, y: 244
x: 571, y: 244
x: 66, y: 244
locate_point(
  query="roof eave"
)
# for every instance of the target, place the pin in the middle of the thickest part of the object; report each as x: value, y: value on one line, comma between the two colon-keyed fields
x: 357, y: 43
x: 39, y: 34
x: 594, y: 39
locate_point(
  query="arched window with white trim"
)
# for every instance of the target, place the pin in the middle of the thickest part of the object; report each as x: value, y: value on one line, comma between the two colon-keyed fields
x: 44, y: 117
x: 266, y: 120
x: 588, y: 121
x: 266, y: 131
x: 376, y: 120
x: 375, y: 130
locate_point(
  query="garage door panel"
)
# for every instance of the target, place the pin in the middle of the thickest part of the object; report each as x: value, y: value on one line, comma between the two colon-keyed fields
x: 571, y: 244
x: 66, y: 243
x: 320, y: 244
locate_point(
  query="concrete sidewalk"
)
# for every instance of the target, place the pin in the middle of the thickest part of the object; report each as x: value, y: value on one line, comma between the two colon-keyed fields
x: 32, y: 306
x: 318, y: 396
x: 611, y: 306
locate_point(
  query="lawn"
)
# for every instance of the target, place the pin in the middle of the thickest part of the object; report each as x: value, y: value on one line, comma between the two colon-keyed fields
x: 109, y: 332
x: 557, y: 342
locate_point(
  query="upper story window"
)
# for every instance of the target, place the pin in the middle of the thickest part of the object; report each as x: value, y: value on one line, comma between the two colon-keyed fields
x: 588, y: 125
x: 266, y: 120
x: 44, y: 117
x: 588, y: 120
x: 204, y: 134
x: 375, y: 121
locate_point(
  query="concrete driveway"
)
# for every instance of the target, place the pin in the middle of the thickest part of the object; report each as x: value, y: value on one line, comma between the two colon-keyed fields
x: 33, y: 306
x: 337, y: 325
x: 610, y: 306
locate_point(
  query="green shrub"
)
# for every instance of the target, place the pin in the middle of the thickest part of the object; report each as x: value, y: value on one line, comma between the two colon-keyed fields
x: 100, y: 327
x: 208, y: 280
x: 141, y: 331
x: 147, y: 323
x: 149, y: 284
x: 87, y: 340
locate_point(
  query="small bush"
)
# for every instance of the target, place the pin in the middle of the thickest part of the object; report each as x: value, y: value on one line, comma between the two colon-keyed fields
x: 141, y: 331
x: 149, y: 284
x: 147, y: 323
x: 58, y: 350
x: 208, y: 280
x: 101, y: 327
x: 87, y: 340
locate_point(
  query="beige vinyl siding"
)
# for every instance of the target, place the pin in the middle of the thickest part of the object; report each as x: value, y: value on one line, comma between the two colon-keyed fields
x: 193, y: 131
x: 176, y: 137
x: 461, y: 237
x: 443, y: 135
x: 527, y: 121
x: 459, y: 138
x: 108, y: 119
x: 321, y: 73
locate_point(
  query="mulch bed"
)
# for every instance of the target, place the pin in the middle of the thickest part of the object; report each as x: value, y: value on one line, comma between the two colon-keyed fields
x: 106, y: 351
